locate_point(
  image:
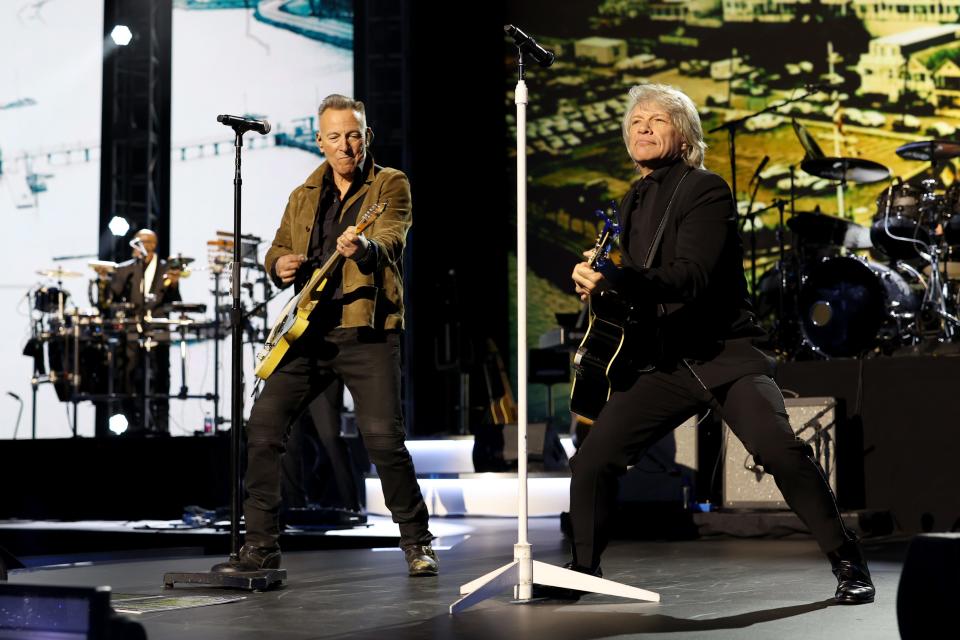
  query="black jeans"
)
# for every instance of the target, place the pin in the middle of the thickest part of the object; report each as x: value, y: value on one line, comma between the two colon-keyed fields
x: 368, y: 362
x: 656, y: 404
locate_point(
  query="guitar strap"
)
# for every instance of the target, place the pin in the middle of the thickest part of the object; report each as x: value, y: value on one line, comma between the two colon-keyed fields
x: 655, y: 244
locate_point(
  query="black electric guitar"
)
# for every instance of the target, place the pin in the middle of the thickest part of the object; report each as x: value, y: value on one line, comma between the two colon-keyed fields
x: 615, y: 328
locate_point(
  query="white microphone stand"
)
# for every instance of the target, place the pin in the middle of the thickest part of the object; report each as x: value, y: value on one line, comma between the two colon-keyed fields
x: 524, y: 571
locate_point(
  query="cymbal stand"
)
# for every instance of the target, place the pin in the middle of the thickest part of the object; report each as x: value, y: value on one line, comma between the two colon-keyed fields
x: 146, y: 346
x: 217, y: 273
x: 935, y: 295
x: 731, y: 127
x: 935, y: 298
x: 182, y: 328
x: 75, y: 376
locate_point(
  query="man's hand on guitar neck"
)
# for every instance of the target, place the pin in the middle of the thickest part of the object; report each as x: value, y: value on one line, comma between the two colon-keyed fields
x: 587, y: 281
x: 286, y: 266
x: 351, y: 245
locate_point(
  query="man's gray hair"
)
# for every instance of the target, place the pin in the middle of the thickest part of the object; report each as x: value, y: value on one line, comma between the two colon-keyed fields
x: 683, y: 115
x: 339, y: 102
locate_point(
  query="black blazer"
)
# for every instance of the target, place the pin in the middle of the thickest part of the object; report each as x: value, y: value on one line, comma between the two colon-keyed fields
x: 697, y: 273
x: 126, y: 282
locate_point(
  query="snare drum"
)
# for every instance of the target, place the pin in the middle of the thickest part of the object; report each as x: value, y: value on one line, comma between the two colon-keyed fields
x: 897, y: 225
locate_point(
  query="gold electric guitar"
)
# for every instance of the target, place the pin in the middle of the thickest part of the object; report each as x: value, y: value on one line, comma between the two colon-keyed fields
x: 295, y: 317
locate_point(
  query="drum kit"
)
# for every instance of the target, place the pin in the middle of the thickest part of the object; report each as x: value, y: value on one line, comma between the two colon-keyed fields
x: 84, y: 351
x: 846, y: 290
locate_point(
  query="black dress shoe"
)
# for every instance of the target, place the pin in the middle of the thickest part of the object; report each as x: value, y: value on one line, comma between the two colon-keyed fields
x: 421, y: 560
x: 854, y: 585
x: 564, y: 593
x: 251, y: 559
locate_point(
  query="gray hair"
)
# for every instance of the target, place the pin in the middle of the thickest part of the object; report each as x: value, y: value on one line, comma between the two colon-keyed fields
x: 339, y: 102
x: 683, y: 115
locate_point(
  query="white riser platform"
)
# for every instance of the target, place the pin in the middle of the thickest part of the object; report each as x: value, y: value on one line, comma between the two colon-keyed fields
x: 452, y: 455
x: 482, y: 494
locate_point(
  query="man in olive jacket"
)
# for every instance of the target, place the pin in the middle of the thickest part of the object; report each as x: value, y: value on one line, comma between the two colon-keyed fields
x: 353, y: 333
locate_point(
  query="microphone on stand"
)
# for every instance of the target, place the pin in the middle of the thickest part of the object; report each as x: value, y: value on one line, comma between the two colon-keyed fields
x: 137, y: 244
x: 245, y: 124
x: 756, y: 174
x: 531, y: 47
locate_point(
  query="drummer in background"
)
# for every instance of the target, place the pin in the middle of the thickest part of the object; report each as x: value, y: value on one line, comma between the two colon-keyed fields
x: 145, y: 281
x: 146, y: 284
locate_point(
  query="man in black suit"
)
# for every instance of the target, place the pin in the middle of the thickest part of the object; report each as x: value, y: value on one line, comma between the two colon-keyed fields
x: 706, y: 325
x: 147, y: 284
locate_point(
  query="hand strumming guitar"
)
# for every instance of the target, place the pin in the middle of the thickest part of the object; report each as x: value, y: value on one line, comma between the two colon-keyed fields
x: 286, y: 266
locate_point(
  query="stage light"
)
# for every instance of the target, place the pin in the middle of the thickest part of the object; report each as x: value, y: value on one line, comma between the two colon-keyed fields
x: 118, y: 423
x: 121, y: 35
x: 118, y: 226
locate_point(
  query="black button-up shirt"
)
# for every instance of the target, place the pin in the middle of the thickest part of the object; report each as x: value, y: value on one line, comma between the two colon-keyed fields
x: 644, y: 217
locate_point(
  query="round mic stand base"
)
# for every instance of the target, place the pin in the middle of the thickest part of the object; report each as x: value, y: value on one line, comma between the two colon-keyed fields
x: 246, y: 580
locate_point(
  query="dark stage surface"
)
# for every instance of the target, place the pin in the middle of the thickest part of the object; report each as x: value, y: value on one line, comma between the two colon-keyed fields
x: 716, y: 588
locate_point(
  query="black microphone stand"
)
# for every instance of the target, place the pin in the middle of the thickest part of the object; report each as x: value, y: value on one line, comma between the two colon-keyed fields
x: 731, y: 127
x: 222, y: 574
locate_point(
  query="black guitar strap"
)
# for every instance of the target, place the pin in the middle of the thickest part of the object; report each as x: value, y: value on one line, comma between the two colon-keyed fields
x: 655, y: 244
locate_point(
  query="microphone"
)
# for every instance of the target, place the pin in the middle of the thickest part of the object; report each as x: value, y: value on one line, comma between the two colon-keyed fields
x: 756, y: 174
x: 137, y: 244
x: 14, y: 396
x: 245, y: 124
x: 531, y: 47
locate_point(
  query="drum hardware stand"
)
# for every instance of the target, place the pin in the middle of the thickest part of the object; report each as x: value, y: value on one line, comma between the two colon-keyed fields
x: 219, y: 575
x: 731, y: 127
x: 751, y: 215
x: 75, y: 376
x: 821, y: 435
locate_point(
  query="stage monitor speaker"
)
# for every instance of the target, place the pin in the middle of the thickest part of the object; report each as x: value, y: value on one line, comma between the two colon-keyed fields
x: 747, y: 486
x: 928, y: 590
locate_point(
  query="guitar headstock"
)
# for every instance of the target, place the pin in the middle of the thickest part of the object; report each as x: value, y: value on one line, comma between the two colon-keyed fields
x: 370, y: 215
x: 609, y: 233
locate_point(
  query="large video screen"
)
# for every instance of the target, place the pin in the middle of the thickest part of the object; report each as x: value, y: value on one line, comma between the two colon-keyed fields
x: 859, y: 80
x: 265, y: 60
x: 50, y: 97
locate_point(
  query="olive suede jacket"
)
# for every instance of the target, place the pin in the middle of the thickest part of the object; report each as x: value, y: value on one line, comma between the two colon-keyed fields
x: 372, y: 294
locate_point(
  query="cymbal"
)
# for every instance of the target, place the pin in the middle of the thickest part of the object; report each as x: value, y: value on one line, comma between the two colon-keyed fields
x: 58, y: 273
x: 178, y: 261
x: 818, y: 228
x: 856, y: 170
x: 929, y: 150
x: 188, y: 307
x: 102, y: 266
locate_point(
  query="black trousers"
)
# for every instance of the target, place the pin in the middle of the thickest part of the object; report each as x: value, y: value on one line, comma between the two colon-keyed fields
x: 657, y: 403
x: 368, y: 362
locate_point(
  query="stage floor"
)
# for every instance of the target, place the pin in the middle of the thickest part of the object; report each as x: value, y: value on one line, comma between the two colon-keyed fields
x: 716, y: 588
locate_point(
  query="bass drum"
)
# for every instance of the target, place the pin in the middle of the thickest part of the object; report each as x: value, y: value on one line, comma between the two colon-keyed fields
x: 847, y: 305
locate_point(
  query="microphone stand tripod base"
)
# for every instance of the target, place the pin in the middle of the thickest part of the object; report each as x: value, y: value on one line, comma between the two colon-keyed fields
x: 261, y: 580
x: 496, y: 581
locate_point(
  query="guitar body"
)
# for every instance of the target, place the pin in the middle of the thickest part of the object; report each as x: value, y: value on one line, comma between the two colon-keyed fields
x: 620, y: 342
x: 295, y: 317
x: 292, y: 323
